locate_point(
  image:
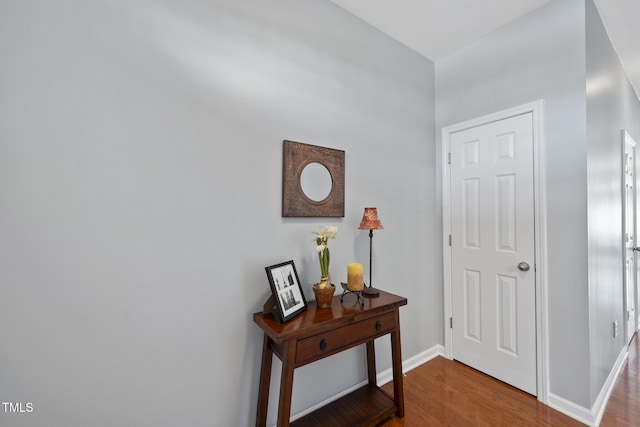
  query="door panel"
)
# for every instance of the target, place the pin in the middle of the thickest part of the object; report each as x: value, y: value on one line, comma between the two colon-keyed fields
x: 492, y: 224
x: 507, y: 310
x: 472, y: 305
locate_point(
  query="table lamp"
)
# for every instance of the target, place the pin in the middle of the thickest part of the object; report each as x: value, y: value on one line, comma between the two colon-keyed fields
x: 370, y: 221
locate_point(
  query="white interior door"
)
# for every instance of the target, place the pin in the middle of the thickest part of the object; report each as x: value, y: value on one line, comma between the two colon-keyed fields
x: 629, y: 233
x: 493, y: 250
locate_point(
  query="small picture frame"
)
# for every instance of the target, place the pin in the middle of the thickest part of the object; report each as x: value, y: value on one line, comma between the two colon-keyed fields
x: 287, y: 293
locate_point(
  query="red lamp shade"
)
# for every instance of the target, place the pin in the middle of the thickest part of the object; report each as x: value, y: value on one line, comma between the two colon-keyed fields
x: 370, y: 220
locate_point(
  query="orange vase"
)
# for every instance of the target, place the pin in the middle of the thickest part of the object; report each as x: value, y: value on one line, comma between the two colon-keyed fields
x: 324, y: 296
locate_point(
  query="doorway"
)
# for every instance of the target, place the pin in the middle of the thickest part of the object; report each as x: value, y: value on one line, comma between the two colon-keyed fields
x: 495, y: 248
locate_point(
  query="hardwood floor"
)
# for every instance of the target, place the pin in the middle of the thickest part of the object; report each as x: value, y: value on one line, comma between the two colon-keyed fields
x: 623, y: 408
x: 443, y: 392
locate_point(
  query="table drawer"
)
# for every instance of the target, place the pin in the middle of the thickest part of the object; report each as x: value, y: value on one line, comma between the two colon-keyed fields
x: 342, y: 338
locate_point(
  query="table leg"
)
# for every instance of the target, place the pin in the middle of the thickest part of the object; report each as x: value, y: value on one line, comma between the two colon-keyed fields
x: 371, y: 363
x: 396, y: 360
x: 265, y: 380
x: 286, y: 383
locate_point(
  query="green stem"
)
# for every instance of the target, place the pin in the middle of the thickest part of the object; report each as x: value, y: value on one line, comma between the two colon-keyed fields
x: 327, y: 259
x: 324, y: 258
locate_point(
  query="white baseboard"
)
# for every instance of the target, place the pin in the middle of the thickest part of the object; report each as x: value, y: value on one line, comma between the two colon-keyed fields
x: 411, y: 363
x: 605, y: 393
x: 593, y: 416
x: 571, y: 409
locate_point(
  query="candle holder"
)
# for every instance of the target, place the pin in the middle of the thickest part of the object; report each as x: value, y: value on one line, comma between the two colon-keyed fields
x: 359, y: 294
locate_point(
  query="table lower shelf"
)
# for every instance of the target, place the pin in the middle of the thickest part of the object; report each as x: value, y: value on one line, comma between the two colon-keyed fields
x: 366, y: 406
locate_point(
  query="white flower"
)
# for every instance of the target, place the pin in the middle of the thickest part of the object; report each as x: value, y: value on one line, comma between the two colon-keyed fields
x: 322, y: 237
x: 331, y: 232
x: 324, y: 234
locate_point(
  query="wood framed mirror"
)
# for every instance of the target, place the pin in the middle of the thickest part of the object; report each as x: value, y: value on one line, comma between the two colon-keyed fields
x: 312, y: 181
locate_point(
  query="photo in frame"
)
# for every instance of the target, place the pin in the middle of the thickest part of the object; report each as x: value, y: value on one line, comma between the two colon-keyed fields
x: 287, y: 293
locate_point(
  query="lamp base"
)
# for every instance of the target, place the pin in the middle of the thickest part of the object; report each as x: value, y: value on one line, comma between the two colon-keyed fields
x: 371, y: 292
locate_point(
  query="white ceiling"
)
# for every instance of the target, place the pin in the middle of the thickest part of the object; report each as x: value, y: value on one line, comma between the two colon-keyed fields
x: 620, y: 18
x: 436, y: 28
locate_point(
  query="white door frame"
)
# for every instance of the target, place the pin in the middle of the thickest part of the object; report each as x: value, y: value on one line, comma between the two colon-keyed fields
x: 540, y: 268
x: 626, y: 137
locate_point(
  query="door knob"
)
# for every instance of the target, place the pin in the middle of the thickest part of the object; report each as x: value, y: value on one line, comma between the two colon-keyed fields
x: 636, y: 248
x: 523, y: 266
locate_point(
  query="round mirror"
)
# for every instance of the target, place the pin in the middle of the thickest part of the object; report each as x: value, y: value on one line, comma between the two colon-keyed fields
x: 316, y: 182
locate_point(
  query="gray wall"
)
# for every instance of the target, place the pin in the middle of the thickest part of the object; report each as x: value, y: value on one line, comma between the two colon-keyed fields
x: 612, y: 105
x: 540, y: 56
x: 140, y: 191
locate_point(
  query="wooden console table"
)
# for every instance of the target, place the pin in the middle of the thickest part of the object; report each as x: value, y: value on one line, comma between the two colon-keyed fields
x: 318, y: 333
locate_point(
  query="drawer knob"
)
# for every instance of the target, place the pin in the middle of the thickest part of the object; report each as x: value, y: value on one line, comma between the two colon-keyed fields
x: 323, y: 344
x: 378, y: 325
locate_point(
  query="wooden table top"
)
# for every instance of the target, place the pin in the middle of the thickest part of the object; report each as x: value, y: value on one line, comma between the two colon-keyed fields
x: 315, y: 320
